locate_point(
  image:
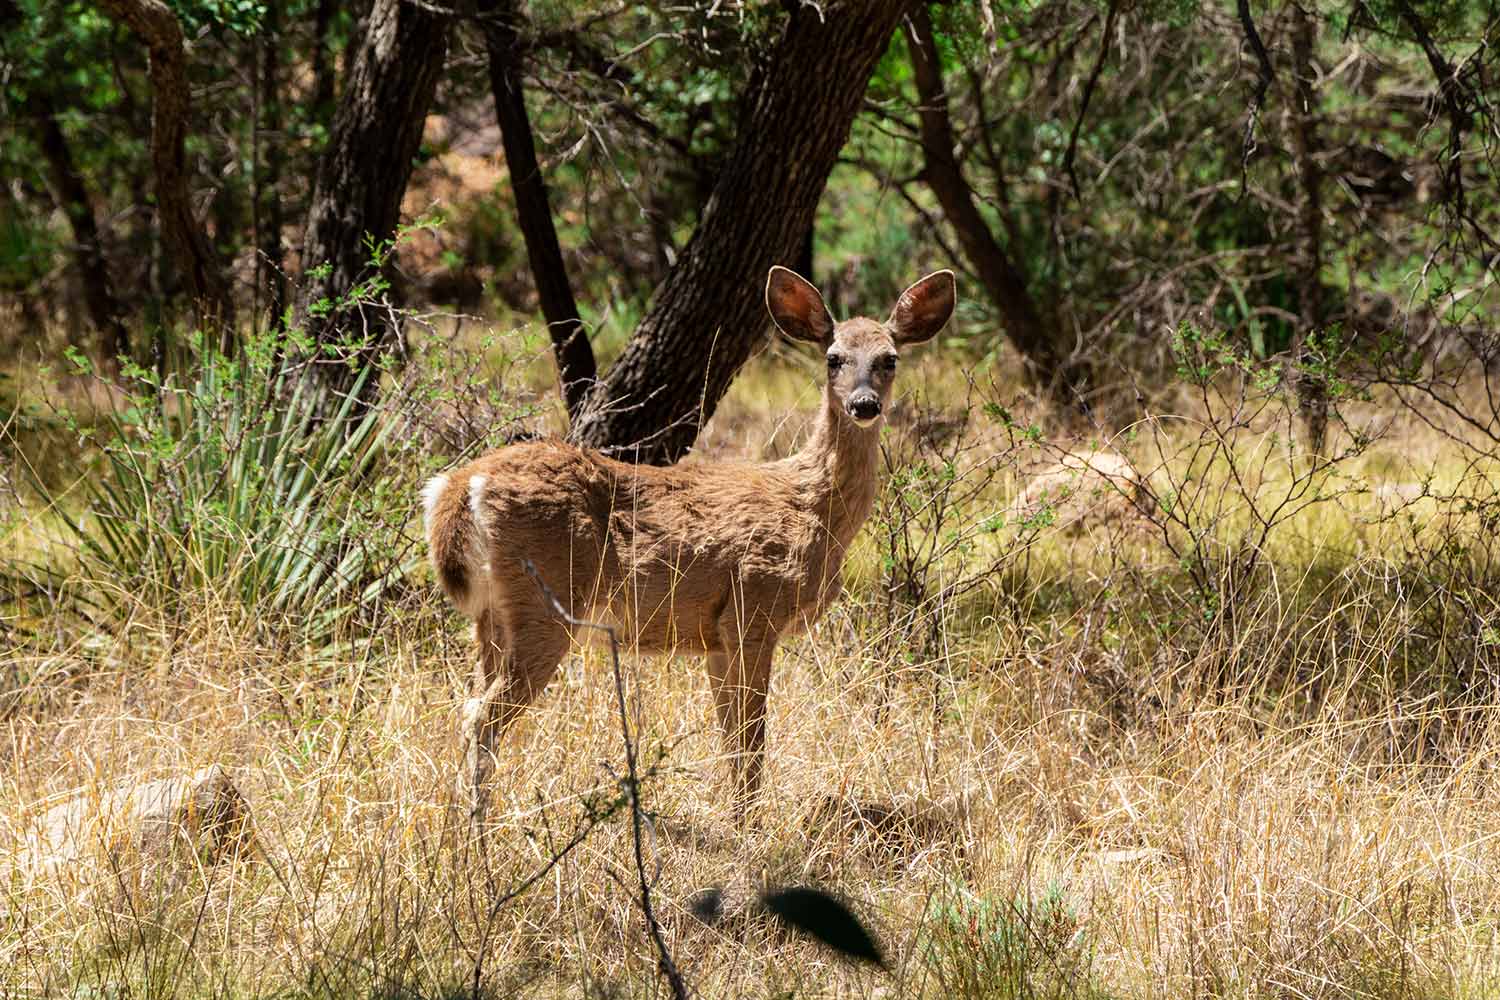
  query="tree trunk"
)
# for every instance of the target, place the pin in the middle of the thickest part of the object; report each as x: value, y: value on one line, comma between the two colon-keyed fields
x: 322, y: 60
x: 1047, y: 364
x: 709, y: 315
x: 269, y: 260
x: 575, y: 356
x: 88, y: 250
x: 804, y: 263
x: 362, y: 177
x: 1311, y: 386
x: 154, y: 23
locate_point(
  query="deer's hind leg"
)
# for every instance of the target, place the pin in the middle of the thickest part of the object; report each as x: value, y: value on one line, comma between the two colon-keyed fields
x: 520, y: 647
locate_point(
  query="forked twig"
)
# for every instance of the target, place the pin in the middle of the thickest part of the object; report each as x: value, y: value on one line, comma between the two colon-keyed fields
x: 632, y: 778
x: 1105, y: 41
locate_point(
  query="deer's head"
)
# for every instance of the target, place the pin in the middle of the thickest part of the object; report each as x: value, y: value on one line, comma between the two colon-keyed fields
x: 862, y: 353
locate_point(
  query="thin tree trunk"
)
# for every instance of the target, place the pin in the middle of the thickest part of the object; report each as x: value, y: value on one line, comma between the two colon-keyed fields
x: 270, y: 259
x: 709, y: 316
x: 1311, y: 386
x: 154, y: 24
x: 225, y: 209
x: 322, y: 59
x: 570, y: 345
x: 1038, y: 343
x: 362, y: 177
x: 88, y: 249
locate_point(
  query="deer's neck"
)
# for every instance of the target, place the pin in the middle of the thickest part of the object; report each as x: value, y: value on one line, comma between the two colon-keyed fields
x: 840, y: 463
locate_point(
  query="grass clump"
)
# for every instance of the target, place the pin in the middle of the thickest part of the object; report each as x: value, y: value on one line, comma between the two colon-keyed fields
x: 249, y: 482
x: 978, y: 946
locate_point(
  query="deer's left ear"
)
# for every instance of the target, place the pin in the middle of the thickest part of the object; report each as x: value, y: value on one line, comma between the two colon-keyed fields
x: 924, y: 308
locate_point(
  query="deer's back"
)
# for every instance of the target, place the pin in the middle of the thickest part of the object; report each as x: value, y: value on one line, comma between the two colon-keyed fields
x: 666, y: 552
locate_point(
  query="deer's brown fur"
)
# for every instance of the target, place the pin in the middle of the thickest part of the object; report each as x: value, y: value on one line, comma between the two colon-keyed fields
x: 715, y: 558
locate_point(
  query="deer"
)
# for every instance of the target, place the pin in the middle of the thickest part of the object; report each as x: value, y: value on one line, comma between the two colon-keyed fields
x: 721, y: 559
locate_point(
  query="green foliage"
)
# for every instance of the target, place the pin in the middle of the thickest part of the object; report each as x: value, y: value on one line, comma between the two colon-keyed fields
x: 63, y: 52
x: 239, y: 16
x: 26, y: 247
x: 249, y: 483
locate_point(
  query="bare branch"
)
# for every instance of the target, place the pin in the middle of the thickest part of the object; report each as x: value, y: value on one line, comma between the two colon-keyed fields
x: 632, y: 778
x: 1266, y: 75
x: 1088, y: 92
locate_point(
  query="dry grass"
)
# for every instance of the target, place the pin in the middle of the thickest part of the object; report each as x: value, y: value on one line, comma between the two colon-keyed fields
x: 1077, y: 790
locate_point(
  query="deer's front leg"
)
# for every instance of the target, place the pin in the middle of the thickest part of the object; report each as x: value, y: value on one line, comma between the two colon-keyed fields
x: 741, y: 679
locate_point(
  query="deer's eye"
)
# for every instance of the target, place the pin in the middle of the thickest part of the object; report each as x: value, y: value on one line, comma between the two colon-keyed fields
x: 886, y: 362
x: 835, y: 362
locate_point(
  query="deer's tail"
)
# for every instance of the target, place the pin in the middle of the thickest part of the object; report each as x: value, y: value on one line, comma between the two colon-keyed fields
x: 454, y: 540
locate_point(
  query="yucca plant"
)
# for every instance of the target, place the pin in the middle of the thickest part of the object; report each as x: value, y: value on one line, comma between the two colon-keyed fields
x: 249, y: 483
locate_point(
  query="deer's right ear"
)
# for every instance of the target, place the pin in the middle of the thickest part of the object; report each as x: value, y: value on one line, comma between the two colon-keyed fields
x: 797, y: 307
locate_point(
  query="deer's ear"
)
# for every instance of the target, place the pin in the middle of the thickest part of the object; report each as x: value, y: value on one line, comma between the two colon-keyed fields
x: 797, y: 307
x: 924, y: 308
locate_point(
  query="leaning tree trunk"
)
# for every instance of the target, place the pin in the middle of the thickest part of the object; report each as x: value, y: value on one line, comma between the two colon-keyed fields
x: 570, y: 345
x: 362, y: 177
x: 709, y: 315
x: 88, y: 249
x: 154, y: 24
x: 1048, y: 364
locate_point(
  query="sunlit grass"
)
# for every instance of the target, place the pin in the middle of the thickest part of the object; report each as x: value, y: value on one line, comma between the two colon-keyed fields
x: 1077, y: 785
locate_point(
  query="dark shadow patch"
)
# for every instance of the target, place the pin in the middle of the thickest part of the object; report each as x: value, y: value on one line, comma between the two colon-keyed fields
x: 802, y: 910
x: 826, y: 918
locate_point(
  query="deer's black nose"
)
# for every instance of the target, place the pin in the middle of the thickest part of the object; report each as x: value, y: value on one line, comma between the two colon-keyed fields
x: 864, y: 407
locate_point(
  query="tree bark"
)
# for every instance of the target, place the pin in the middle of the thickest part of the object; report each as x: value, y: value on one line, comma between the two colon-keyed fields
x: 576, y: 369
x: 709, y: 316
x: 269, y: 262
x: 1311, y: 386
x: 72, y: 197
x: 362, y: 177
x: 154, y: 24
x: 1047, y: 364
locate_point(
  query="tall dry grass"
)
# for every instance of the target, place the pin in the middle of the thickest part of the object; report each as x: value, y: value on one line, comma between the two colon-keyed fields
x: 1077, y: 775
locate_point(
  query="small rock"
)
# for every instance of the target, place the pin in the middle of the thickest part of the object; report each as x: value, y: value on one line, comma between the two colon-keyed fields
x: 1081, y: 488
x: 203, y: 814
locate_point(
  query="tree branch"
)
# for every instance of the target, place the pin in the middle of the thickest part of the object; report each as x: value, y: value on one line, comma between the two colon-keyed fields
x: 582, y: 55
x: 1003, y: 280
x: 632, y: 780
x: 1453, y: 96
x: 1267, y: 73
x: 1088, y: 92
